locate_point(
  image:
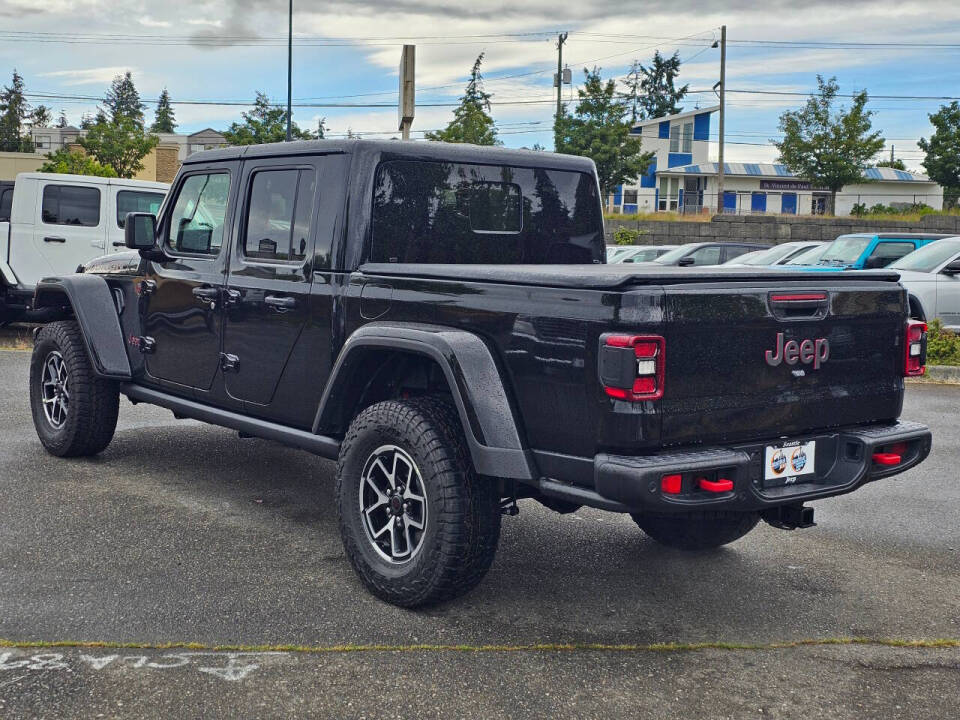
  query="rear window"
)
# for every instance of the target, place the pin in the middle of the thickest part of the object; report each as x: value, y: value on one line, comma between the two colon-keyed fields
x: 434, y: 212
x: 129, y: 201
x: 71, y: 205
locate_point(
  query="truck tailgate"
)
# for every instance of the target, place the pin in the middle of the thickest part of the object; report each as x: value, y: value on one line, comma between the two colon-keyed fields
x: 754, y: 362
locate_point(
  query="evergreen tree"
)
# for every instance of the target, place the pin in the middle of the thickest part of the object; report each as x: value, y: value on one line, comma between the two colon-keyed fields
x: 62, y: 120
x: 827, y: 147
x: 41, y: 117
x: 942, y: 162
x: 122, y: 100
x: 652, y: 91
x: 322, y: 128
x: 471, y: 120
x: 265, y: 123
x: 14, y: 110
x: 164, y: 120
x: 599, y: 129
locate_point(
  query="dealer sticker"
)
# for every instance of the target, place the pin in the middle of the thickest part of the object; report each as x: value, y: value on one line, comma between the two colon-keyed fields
x: 787, y: 462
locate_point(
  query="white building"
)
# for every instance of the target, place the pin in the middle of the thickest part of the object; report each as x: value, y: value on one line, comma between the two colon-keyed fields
x: 682, y: 179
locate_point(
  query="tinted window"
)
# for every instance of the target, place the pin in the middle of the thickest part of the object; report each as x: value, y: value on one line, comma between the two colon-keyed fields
x: 129, y: 201
x: 886, y: 252
x: 738, y: 250
x: 196, y: 223
x: 6, y: 202
x: 278, y: 214
x: 432, y: 212
x: 709, y: 255
x: 68, y: 205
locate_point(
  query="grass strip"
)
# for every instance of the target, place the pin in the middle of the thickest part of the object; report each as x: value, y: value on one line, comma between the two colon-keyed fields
x: 466, y: 648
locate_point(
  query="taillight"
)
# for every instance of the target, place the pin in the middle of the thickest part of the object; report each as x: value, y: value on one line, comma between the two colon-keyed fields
x: 915, y: 349
x: 632, y: 366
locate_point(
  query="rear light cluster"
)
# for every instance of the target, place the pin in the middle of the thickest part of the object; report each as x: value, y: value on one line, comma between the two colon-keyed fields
x: 632, y: 366
x: 915, y: 349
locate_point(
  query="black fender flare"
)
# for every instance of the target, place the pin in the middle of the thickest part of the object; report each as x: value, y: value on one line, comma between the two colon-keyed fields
x: 914, y: 300
x: 471, y: 372
x: 93, y: 305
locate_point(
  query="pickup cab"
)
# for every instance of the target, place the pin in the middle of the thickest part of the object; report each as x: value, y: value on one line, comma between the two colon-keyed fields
x: 863, y: 251
x: 440, y: 321
x: 51, y: 224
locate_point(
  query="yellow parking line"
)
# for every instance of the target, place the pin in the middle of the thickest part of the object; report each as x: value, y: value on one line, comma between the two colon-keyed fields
x: 535, y: 647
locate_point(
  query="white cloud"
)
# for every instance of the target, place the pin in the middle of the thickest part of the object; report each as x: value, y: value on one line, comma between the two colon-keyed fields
x: 88, y: 76
x: 148, y: 21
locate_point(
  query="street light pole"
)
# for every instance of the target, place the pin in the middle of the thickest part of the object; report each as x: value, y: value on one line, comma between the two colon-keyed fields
x: 723, y: 91
x: 290, y: 75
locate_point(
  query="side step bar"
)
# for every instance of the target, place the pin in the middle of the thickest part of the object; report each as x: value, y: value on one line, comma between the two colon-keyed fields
x: 321, y: 445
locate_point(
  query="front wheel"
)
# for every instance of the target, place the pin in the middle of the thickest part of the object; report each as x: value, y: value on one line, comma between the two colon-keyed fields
x: 702, y: 530
x: 74, y: 411
x: 418, y: 525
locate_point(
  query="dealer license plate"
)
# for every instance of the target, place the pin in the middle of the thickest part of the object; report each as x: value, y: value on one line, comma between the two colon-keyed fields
x: 785, y: 463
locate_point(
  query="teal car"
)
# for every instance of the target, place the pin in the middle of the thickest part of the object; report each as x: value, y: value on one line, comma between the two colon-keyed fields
x: 865, y: 251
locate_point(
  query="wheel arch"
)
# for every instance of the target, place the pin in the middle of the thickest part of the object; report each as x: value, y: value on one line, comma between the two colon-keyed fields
x: 915, y: 305
x: 379, y: 353
x: 89, y: 300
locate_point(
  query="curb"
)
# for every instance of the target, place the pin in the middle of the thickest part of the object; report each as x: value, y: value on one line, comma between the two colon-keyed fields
x: 946, y: 374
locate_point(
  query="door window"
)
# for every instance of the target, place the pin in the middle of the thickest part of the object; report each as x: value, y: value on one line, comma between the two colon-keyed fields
x: 129, y: 201
x: 71, y: 205
x: 886, y: 252
x: 6, y: 203
x: 196, y: 223
x: 709, y: 255
x: 280, y: 206
x: 734, y: 251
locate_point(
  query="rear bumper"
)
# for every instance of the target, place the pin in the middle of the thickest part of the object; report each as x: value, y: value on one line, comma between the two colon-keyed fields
x: 844, y: 462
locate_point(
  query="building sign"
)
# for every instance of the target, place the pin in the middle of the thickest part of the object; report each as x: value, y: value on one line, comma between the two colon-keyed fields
x: 785, y: 185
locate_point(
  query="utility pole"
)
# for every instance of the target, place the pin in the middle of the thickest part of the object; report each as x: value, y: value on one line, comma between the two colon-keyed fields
x: 891, y: 155
x: 723, y: 89
x: 561, y: 39
x: 290, y: 75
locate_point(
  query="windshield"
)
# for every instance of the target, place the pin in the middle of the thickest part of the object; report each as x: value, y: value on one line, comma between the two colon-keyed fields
x: 845, y: 250
x: 671, y: 256
x: 930, y: 257
x: 767, y: 257
x: 808, y: 257
x: 645, y: 255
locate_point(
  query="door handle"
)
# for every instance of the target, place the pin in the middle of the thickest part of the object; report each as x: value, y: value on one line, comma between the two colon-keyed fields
x: 120, y: 244
x: 280, y: 303
x: 55, y: 239
x: 206, y: 293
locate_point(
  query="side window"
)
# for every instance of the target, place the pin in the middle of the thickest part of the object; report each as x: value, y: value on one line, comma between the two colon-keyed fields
x: 709, y: 255
x: 279, y: 209
x: 71, y: 205
x: 6, y: 203
x: 738, y: 250
x: 129, y: 201
x: 886, y: 252
x: 196, y: 223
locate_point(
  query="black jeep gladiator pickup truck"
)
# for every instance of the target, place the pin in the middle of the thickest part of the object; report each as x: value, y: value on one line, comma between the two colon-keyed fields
x: 440, y: 320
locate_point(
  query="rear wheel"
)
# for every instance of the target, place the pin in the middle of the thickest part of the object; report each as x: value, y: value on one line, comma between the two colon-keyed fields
x: 418, y: 525
x: 74, y: 411
x: 700, y: 530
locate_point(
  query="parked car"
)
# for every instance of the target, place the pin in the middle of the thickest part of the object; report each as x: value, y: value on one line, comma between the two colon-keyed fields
x: 439, y: 353
x: 777, y: 255
x: 644, y: 253
x: 808, y: 257
x: 930, y: 276
x: 6, y: 199
x: 863, y: 251
x: 706, y: 253
x: 58, y: 222
x: 616, y: 251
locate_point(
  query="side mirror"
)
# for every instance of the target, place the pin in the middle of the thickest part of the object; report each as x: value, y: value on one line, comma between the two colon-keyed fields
x: 140, y: 231
x: 686, y: 261
x: 952, y: 268
x: 875, y: 263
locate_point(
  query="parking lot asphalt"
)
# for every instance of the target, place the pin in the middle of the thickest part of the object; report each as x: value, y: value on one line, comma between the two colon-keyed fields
x: 184, y: 533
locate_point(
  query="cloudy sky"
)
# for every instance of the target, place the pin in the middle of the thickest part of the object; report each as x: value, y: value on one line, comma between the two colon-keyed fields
x: 346, y: 53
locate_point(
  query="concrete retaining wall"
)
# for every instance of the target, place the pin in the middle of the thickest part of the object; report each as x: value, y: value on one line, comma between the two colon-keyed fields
x: 773, y: 229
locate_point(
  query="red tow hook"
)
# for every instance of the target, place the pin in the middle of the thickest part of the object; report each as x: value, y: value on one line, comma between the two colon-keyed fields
x: 887, y: 458
x: 715, y: 486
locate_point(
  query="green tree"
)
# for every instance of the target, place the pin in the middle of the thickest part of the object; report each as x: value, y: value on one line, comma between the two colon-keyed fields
x: 598, y: 129
x: 265, y: 123
x: 62, y: 120
x: 942, y: 161
x: 896, y: 164
x: 471, y: 120
x: 75, y: 162
x: 830, y: 148
x: 164, y: 120
x: 122, y: 101
x: 41, y: 116
x: 13, y: 111
x: 121, y: 145
x: 652, y: 91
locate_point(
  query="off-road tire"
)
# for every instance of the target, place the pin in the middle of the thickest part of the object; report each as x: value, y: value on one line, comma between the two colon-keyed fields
x: 463, y: 527
x: 94, y: 402
x: 701, y: 530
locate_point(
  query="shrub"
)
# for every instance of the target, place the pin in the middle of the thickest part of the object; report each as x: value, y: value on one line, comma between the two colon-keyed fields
x: 943, y: 346
x: 625, y: 236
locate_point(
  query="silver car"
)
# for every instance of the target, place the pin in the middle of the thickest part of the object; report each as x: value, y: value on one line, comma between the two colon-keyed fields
x: 931, y: 275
